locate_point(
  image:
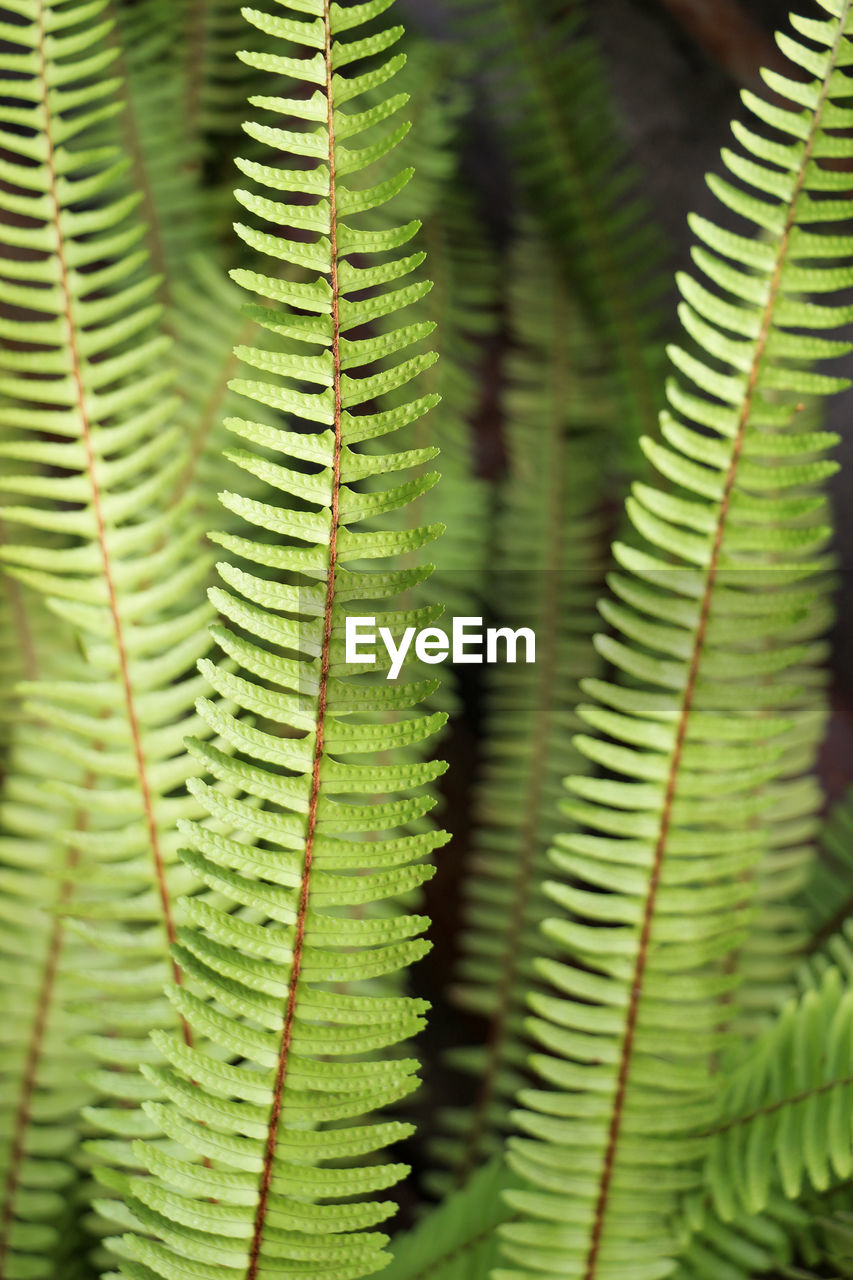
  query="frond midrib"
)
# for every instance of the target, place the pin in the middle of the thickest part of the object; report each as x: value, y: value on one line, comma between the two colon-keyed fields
x: 97, y: 507
x: 325, y: 662
x: 636, y: 987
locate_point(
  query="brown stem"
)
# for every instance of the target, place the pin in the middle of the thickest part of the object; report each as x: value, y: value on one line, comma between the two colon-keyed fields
x: 325, y: 658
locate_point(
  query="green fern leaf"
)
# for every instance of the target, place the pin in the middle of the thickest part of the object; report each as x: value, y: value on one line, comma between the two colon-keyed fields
x: 747, y: 1247
x: 89, y: 460
x: 44, y: 1086
x: 712, y: 630
x: 260, y: 1196
x: 786, y: 1114
x: 545, y: 570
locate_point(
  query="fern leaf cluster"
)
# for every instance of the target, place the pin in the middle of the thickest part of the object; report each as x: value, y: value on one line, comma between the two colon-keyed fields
x: 543, y: 575
x: 712, y: 617
x: 259, y: 1196
x: 89, y: 455
x: 218, y: 826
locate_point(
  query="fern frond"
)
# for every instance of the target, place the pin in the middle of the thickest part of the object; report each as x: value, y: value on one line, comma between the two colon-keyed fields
x: 41, y: 1062
x: 558, y: 118
x: 544, y: 570
x: 43, y: 1086
x: 458, y: 1240
x: 283, y: 1189
x: 89, y: 459
x: 713, y: 623
x: 786, y: 1115
x: 747, y: 1247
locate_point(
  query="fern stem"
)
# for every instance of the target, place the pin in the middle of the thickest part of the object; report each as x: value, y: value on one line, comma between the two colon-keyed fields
x: 97, y: 507
x: 791, y: 1100
x: 325, y: 662
x: 695, y: 663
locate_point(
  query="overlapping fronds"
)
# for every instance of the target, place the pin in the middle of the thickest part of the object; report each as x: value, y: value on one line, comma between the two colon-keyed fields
x: 458, y: 1240
x: 41, y: 1063
x: 746, y: 1247
x: 165, y: 164
x: 786, y: 1114
x: 712, y: 617
x: 278, y: 1184
x: 549, y: 88
x: 208, y: 323
x: 89, y: 459
x: 543, y: 574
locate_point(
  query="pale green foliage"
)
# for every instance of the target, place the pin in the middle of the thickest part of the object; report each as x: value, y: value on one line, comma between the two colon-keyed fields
x: 208, y: 322
x: 41, y: 1061
x: 748, y: 1246
x: 709, y: 637
x: 263, y: 969
x: 670, y: 1120
x: 89, y: 459
x: 543, y: 575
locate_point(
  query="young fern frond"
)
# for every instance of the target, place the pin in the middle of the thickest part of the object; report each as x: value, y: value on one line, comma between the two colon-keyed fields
x: 559, y: 122
x: 747, y: 1247
x: 261, y: 1197
x: 545, y: 571
x: 786, y: 1114
x: 89, y: 459
x: 656, y: 896
x: 44, y: 1086
x: 458, y: 1240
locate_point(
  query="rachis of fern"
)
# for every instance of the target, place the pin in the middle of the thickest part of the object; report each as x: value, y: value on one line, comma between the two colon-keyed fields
x: 646, y: 984
x: 263, y: 966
